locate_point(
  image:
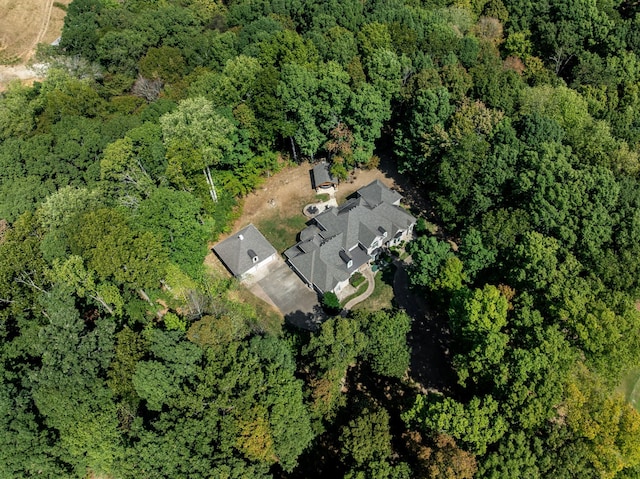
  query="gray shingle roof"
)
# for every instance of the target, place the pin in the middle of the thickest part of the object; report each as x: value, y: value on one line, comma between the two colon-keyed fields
x: 395, y: 215
x: 376, y: 192
x: 237, y: 251
x: 324, y: 265
x: 347, y: 231
x: 322, y: 175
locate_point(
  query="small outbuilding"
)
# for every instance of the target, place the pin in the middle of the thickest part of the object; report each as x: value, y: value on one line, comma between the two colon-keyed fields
x: 246, y: 252
x: 322, y: 177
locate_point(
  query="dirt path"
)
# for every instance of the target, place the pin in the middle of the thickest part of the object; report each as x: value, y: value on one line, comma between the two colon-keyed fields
x: 44, y: 24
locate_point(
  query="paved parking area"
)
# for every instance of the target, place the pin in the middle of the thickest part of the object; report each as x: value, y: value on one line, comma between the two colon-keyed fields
x: 286, y: 291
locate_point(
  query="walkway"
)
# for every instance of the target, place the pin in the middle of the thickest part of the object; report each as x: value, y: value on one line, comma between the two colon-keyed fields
x: 371, y: 284
x: 315, y: 209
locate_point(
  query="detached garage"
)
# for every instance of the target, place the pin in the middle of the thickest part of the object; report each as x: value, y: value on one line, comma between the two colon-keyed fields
x: 246, y: 252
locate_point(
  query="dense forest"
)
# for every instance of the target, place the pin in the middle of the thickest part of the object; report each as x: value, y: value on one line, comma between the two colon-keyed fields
x: 518, y: 122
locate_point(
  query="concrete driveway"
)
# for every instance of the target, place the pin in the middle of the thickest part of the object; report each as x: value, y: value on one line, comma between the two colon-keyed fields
x: 286, y: 291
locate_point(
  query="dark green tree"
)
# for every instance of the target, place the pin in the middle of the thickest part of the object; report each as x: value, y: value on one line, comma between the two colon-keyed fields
x: 386, y: 333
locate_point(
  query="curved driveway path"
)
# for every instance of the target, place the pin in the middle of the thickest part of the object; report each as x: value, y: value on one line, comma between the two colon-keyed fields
x: 367, y: 273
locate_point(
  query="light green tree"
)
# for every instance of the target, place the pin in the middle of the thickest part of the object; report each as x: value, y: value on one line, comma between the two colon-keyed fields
x: 196, y: 138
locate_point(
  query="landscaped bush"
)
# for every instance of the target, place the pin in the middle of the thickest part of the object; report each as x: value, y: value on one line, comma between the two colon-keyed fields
x: 356, y: 279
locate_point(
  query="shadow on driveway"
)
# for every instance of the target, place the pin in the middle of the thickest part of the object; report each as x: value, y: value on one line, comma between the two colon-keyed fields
x: 295, y: 300
x: 307, y: 320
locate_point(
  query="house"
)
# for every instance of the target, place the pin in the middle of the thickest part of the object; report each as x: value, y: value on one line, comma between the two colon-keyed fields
x: 322, y: 177
x: 246, y: 252
x: 340, y: 241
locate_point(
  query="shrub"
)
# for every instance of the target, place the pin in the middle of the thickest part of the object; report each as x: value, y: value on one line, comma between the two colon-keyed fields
x: 356, y: 279
x: 339, y: 171
x: 421, y: 226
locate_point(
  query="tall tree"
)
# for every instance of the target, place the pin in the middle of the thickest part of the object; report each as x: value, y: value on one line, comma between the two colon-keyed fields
x: 196, y: 138
x: 69, y: 389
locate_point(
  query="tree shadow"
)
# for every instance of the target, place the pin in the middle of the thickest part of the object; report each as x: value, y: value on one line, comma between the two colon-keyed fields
x: 412, y: 192
x: 309, y: 320
x: 429, y: 339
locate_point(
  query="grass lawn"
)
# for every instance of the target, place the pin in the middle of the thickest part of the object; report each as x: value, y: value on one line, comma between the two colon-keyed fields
x: 382, y: 295
x: 359, y: 291
x: 281, y: 232
x: 268, y: 319
x: 357, y: 279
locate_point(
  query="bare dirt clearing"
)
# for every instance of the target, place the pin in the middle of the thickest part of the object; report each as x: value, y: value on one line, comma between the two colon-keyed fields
x: 24, y: 24
x: 289, y: 190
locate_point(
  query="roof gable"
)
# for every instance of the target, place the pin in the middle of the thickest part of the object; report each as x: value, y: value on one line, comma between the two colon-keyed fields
x: 396, y: 217
x: 376, y: 193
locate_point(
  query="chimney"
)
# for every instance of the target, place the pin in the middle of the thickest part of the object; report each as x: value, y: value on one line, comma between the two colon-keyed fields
x: 240, y: 237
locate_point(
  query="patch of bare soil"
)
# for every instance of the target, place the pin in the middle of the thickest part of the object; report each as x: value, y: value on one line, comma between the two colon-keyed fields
x: 282, y: 192
x: 23, y: 73
x: 291, y: 187
x: 24, y: 24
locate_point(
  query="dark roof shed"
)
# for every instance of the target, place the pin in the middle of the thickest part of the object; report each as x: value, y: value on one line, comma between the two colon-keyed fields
x: 322, y: 177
